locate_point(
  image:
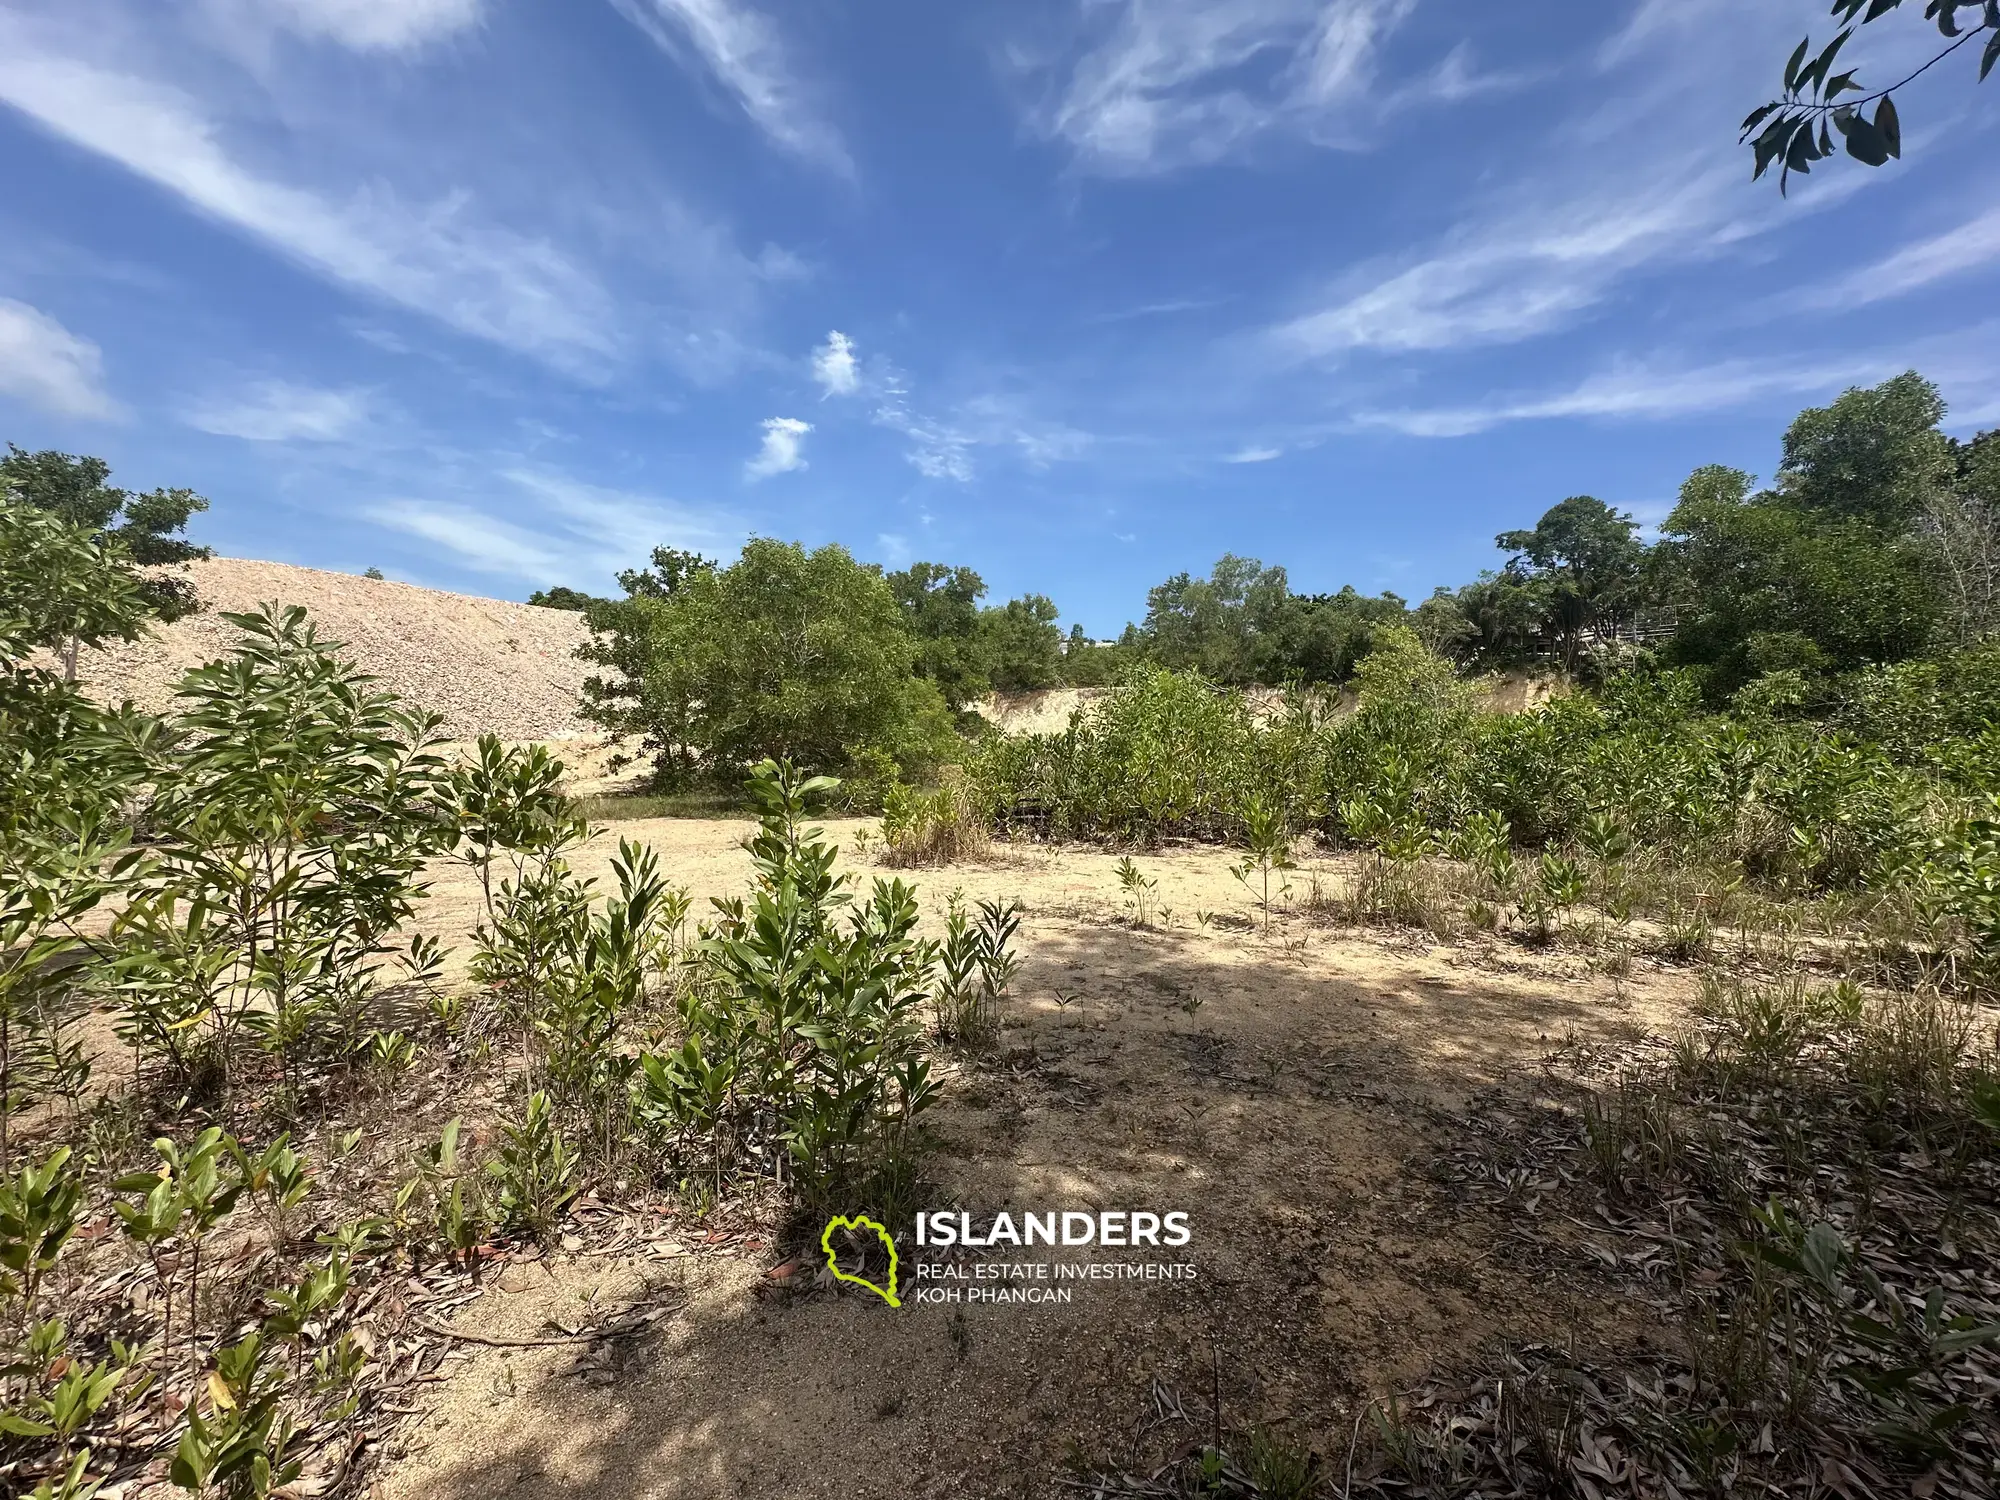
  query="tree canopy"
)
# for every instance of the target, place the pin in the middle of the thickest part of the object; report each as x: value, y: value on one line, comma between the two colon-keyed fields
x: 940, y: 607
x: 1026, y: 648
x: 1582, y: 561
x: 783, y: 654
x: 148, y: 527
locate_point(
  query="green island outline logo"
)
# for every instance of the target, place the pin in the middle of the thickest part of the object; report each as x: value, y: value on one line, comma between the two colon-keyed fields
x: 861, y: 1221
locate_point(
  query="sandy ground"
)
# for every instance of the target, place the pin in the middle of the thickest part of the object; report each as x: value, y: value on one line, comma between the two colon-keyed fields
x: 1290, y: 1093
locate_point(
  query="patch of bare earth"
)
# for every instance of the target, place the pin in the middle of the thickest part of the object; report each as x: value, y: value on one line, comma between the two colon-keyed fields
x: 1291, y: 1093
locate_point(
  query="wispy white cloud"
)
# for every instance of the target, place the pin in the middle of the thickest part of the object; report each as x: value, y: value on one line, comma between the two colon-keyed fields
x: 780, y: 453
x: 437, y: 259
x: 1972, y: 246
x: 895, y: 548
x: 579, y: 534
x: 1611, y: 189
x: 834, y: 365
x: 277, y: 411
x: 481, y: 541
x: 1514, y: 278
x: 1164, y: 309
x: 1254, y: 455
x: 944, y: 448
x: 1644, y: 393
x: 1649, y: 21
x: 1006, y: 421
x: 1965, y: 363
x: 44, y: 364
x: 741, y: 48
x: 367, y: 25
x: 1174, y: 83
x: 936, y: 451
x: 1455, y: 80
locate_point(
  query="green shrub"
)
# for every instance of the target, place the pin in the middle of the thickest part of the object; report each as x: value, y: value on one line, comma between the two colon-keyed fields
x: 784, y: 654
x: 1794, y: 807
x: 801, y: 1049
x: 294, y: 808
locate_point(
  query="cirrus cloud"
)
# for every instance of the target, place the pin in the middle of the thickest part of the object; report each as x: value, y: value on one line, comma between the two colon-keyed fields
x: 1175, y: 83
x: 374, y: 25
x: 741, y: 48
x: 276, y: 411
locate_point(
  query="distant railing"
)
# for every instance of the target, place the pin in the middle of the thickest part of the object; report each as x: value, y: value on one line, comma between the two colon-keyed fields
x: 1647, y: 628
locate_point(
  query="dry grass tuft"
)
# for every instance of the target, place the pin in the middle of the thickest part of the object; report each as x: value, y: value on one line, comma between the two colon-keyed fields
x: 938, y: 827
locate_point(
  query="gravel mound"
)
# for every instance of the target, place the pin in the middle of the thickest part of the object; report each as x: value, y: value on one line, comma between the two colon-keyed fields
x: 490, y: 667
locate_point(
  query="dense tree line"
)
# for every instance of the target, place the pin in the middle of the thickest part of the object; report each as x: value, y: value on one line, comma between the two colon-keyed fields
x: 1877, y: 542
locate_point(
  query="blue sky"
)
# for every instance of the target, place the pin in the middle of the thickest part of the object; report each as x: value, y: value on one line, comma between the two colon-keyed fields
x: 498, y: 293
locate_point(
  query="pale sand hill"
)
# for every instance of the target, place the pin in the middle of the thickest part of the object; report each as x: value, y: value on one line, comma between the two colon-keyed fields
x: 487, y: 665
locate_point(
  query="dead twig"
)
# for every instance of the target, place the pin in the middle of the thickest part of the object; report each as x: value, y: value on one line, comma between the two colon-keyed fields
x: 582, y: 1336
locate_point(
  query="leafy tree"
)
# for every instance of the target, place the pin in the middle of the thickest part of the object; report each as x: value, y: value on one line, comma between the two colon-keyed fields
x: 292, y: 818
x: 1243, y: 624
x: 784, y: 654
x: 1322, y: 637
x: 941, y: 609
x: 1873, y: 455
x: 1088, y: 663
x: 620, y: 640
x: 64, y: 584
x: 1835, y: 555
x: 561, y: 597
x: 1506, y: 618
x: 1023, y: 644
x: 65, y: 766
x: 1750, y: 571
x: 60, y: 755
x: 672, y: 570
x: 148, y: 526
x: 1796, y: 129
x: 1580, y: 563
x: 1445, y: 626
x: 1213, y: 626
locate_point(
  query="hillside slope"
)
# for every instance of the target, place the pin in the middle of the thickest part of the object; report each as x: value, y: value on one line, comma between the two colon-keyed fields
x: 487, y: 665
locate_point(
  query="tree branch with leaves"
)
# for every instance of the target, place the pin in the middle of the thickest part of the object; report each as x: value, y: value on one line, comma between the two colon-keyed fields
x: 1797, y: 129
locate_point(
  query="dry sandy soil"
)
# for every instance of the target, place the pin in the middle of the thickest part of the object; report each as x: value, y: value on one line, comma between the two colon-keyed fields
x: 1292, y: 1094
